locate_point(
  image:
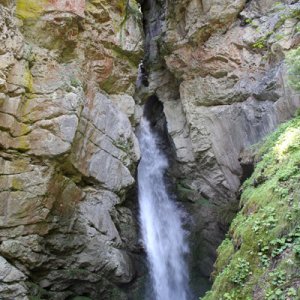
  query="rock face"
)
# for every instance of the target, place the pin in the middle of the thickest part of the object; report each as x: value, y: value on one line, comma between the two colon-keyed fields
x: 67, y: 147
x: 263, y: 238
x: 68, y: 108
x: 218, y: 68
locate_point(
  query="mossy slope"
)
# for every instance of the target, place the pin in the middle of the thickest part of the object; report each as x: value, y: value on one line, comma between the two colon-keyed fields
x: 260, y: 258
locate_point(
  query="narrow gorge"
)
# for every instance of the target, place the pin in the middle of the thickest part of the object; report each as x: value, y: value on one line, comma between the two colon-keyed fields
x: 161, y: 222
x: 142, y: 153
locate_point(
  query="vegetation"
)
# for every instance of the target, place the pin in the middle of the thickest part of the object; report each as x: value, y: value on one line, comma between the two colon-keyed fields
x: 260, y: 258
x: 29, y: 9
x: 293, y: 61
x: 276, y: 33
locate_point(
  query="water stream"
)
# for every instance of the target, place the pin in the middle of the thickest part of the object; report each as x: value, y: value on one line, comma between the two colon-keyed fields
x: 161, y: 222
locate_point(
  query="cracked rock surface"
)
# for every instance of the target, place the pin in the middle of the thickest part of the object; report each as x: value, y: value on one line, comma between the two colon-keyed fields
x: 219, y: 69
x: 68, y: 151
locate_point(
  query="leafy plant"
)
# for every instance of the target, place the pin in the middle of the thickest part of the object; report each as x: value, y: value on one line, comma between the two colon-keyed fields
x: 276, y: 294
x: 297, y: 250
x: 241, y: 272
x: 260, y: 43
x: 293, y: 62
x: 267, y: 221
x: 291, y: 292
x: 278, y: 278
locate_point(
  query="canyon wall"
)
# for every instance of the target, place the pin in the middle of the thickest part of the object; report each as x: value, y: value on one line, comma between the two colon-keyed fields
x: 68, y: 152
x: 219, y: 69
x: 69, y: 107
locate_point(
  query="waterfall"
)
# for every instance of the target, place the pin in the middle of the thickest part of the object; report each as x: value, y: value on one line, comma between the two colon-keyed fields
x: 161, y: 222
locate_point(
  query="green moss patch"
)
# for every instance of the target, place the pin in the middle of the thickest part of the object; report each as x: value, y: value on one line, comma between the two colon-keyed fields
x: 30, y: 9
x: 260, y: 258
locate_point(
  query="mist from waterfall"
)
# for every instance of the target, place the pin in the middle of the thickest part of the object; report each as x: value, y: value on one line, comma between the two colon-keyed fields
x: 161, y: 222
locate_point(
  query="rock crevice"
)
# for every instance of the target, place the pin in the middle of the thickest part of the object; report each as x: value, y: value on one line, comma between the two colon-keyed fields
x: 219, y: 69
x: 69, y: 107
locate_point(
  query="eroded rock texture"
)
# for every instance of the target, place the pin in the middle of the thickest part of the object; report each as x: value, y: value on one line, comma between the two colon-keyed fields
x: 68, y: 107
x: 67, y: 148
x: 219, y: 69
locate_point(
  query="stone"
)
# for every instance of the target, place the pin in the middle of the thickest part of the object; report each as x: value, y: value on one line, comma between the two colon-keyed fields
x: 74, y: 6
x: 13, y: 291
x: 130, y: 36
x: 109, y: 144
x: 9, y: 273
x: 51, y: 146
x: 203, y: 91
x: 68, y: 107
x: 125, y: 103
x: 96, y: 210
x: 179, y: 131
x: 22, y: 188
x: 26, y: 249
x: 218, y: 70
x: 20, y: 76
x: 63, y: 140
x: 12, y: 284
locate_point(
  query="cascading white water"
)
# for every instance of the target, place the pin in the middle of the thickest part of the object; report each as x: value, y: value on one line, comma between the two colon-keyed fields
x: 161, y: 222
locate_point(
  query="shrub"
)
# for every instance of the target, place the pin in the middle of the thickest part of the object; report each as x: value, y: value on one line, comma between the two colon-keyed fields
x: 293, y: 62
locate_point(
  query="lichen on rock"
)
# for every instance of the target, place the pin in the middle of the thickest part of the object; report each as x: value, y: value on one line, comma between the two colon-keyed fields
x: 68, y: 151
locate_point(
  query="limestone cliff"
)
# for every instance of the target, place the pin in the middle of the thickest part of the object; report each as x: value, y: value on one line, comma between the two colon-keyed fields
x: 216, y: 76
x: 219, y: 69
x: 67, y: 148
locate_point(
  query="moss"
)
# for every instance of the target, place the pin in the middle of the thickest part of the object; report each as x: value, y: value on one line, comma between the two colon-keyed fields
x: 24, y: 129
x: 259, y: 257
x: 121, y: 7
x: 293, y: 62
x: 30, y: 9
x: 17, y: 184
x: 22, y: 144
x: 28, y: 80
x: 227, y: 250
x: 128, y: 9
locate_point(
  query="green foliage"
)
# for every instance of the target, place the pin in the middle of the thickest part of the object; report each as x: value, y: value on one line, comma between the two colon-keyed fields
x: 261, y: 253
x: 278, y: 278
x: 276, y: 294
x: 291, y: 292
x: 293, y: 62
x: 75, y: 82
x: 285, y: 13
x: 241, y: 272
x: 297, y: 250
x: 260, y: 43
x: 183, y: 190
x: 124, y: 145
x: 267, y: 220
x: 227, y: 250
